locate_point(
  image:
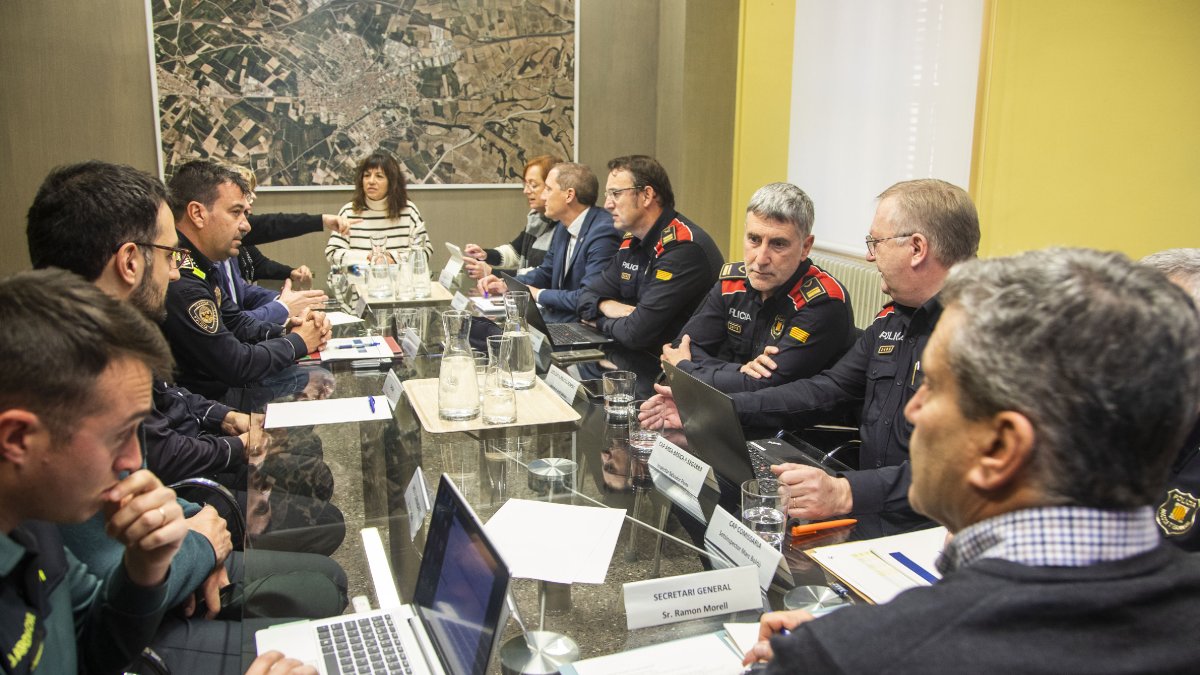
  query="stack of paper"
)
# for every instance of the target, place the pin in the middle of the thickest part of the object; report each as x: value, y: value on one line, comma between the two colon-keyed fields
x: 370, y: 347
x: 327, y: 411
x: 879, y: 569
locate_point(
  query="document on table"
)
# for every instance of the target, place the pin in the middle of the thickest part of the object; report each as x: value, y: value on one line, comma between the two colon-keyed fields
x: 556, y: 542
x: 879, y: 569
x: 339, y: 318
x: 348, y: 349
x: 327, y: 411
x: 708, y: 654
x: 744, y: 635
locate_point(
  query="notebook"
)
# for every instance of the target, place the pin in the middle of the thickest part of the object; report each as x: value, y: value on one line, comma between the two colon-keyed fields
x: 715, y: 434
x: 561, y: 335
x: 451, y: 627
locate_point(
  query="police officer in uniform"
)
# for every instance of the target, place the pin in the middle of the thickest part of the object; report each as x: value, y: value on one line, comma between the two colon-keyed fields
x: 775, y: 298
x: 660, y: 273
x: 920, y: 230
x: 217, y: 346
x: 1180, y: 504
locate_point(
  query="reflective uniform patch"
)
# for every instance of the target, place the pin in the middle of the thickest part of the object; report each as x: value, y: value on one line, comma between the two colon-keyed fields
x: 204, y: 315
x: 798, y: 334
x: 1177, y: 514
x: 886, y: 349
x: 625, y: 276
x: 734, y: 327
x: 662, y: 275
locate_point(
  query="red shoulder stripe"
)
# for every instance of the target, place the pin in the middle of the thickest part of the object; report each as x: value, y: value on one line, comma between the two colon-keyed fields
x: 832, y: 286
x: 729, y: 286
x: 887, y: 310
x: 626, y: 242
x: 682, y: 231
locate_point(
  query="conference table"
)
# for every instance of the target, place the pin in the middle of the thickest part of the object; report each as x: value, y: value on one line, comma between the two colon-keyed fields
x: 371, y: 463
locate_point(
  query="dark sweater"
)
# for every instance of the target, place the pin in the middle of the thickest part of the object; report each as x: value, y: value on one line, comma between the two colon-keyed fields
x: 1138, y: 615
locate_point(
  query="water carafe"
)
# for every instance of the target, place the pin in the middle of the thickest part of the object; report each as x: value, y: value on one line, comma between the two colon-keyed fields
x: 458, y: 390
x: 523, y: 366
x: 420, y: 273
x: 403, y: 281
x: 379, y: 281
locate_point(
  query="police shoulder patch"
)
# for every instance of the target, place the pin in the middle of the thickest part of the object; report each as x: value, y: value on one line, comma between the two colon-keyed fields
x: 1177, y: 514
x: 204, y: 314
x: 777, y: 328
x: 663, y: 275
x: 733, y: 270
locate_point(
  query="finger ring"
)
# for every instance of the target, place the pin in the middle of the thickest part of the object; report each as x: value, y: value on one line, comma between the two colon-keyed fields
x: 163, y: 513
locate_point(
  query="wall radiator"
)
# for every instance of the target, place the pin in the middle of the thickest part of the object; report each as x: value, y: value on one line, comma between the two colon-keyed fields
x: 861, y: 280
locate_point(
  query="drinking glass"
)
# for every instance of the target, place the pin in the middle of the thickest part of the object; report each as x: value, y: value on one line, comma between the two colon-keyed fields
x: 618, y: 395
x: 499, y: 397
x: 762, y: 509
x: 642, y: 435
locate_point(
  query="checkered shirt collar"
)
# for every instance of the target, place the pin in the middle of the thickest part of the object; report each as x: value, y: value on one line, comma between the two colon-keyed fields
x: 1055, y: 536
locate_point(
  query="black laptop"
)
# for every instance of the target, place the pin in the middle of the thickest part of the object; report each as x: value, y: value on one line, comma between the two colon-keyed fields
x: 561, y: 335
x: 715, y: 435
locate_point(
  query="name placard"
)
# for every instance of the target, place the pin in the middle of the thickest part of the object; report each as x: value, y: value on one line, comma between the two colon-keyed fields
x: 360, y: 306
x: 691, y: 596
x: 742, y: 546
x: 410, y: 342
x: 392, y: 388
x: 537, y: 339
x: 563, y: 384
x: 450, y: 272
x: 416, y: 500
x: 679, y: 465
x: 460, y: 301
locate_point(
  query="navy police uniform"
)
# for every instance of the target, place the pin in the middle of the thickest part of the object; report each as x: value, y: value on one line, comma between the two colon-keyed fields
x: 665, y: 275
x: 1176, y: 514
x: 883, y: 371
x: 809, y: 318
x: 216, y: 345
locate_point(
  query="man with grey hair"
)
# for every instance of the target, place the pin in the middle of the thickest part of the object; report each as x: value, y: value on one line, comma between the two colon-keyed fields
x: 775, y: 297
x: 1041, y: 443
x: 1178, y: 506
x: 920, y: 230
x: 579, y: 250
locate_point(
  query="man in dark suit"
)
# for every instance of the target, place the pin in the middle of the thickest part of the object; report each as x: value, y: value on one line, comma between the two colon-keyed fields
x: 579, y: 250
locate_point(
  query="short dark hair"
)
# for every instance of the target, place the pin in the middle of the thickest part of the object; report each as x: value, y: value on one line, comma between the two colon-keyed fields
x: 198, y: 181
x: 397, y: 192
x: 1102, y: 355
x: 647, y: 172
x: 51, y: 369
x: 83, y: 213
x: 578, y: 177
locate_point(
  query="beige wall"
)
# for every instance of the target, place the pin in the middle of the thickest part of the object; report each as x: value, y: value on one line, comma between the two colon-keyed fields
x: 656, y: 77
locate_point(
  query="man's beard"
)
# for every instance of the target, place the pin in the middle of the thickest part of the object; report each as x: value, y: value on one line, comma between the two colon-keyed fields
x: 149, y: 299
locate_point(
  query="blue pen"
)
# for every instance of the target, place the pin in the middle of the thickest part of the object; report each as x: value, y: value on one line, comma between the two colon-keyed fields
x: 371, y: 402
x: 357, y: 345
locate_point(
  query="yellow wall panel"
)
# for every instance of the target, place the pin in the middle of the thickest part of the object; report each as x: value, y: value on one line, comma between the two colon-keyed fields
x: 1089, y: 125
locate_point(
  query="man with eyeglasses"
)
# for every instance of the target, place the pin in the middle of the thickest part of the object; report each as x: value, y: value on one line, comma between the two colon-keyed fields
x: 921, y: 229
x: 658, y: 277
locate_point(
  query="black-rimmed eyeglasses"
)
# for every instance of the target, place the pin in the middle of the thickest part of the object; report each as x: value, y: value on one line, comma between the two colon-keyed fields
x: 871, y: 241
x: 614, y: 193
x: 176, y: 256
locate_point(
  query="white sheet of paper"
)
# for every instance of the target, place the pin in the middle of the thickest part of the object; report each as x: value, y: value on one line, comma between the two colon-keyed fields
x: 857, y: 564
x: 744, y: 635
x: 684, y: 597
x: 705, y: 654
x: 556, y: 542
x: 349, y: 349
x: 326, y: 411
x: 339, y: 318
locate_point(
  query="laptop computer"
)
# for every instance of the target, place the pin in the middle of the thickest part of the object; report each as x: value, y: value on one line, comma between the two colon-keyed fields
x: 451, y: 627
x: 561, y: 335
x: 715, y: 435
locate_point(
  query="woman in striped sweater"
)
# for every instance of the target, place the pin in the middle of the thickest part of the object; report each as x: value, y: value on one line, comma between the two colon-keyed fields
x: 381, y: 201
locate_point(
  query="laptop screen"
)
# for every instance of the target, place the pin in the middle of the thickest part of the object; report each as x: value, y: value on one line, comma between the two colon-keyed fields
x: 461, y: 586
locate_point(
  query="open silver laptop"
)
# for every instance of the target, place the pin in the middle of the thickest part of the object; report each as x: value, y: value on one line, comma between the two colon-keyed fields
x: 561, y: 335
x: 451, y: 627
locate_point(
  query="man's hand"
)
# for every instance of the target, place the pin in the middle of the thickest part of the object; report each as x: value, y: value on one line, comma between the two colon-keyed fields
x: 476, y: 269
x: 142, y: 514
x: 474, y: 251
x: 274, y: 663
x: 298, y: 301
x: 235, y: 423
x: 491, y: 285
x: 313, y: 328
x: 339, y: 224
x: 214, y: 528
x: 301, y: 277
x: 614, y: 309
x: 210, y: 588
x: 772, y: 623
x: 812, y: 494
x: 660, y: 410
x: 762, y: 365
x: 673, y: 355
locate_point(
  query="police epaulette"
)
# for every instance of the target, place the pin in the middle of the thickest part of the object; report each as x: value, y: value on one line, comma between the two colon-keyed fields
x: 733, y: 270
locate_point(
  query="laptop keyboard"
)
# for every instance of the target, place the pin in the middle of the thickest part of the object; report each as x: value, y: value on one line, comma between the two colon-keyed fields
x: 362, y: 646
x: 759, y: 462
x: 567, y: 334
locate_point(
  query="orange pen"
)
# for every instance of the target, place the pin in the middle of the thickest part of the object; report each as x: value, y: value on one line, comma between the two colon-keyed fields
x: 801, y: 530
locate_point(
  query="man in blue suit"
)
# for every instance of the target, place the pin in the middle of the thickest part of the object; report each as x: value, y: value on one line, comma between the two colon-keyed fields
x: 579, y: 250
